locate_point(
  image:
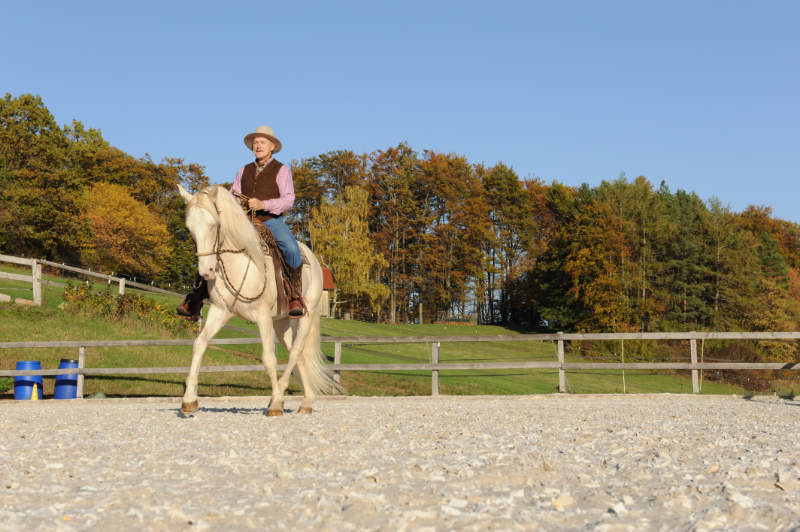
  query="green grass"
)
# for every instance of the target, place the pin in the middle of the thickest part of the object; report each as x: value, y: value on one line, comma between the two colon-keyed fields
x: 507, y: 381
x: 48, y: 322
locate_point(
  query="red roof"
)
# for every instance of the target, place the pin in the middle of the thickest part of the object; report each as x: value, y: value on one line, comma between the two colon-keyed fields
x: 327, y: 279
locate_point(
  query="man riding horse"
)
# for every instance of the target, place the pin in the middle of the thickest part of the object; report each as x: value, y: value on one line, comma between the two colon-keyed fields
x: 265, y: 187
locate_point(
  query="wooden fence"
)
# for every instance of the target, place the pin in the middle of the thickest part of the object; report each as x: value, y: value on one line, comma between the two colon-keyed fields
x: 434, y: 366
x: 36, y: 277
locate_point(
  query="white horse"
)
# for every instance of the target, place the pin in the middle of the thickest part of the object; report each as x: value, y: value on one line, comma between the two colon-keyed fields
x: 242, y: 282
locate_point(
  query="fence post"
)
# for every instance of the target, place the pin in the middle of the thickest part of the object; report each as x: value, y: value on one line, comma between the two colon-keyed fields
x: 622, y: 359
x: 81, y: 365
x: 337, y: 359
x: 562, y: 375
x: 695, y: 380
x: 435, y: 372
x: 121, y: 286
x: 36, y: 274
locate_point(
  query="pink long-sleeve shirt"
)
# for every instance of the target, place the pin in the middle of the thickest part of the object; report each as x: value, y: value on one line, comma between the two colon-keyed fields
x: 280, y: 204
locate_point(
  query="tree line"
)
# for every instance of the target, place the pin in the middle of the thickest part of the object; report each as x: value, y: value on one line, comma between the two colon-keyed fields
x: 404, y: 230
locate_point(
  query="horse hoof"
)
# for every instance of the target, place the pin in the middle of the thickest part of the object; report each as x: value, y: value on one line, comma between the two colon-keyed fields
x: 189, y: 408
x: 273, y: 413
x: 304, y: 410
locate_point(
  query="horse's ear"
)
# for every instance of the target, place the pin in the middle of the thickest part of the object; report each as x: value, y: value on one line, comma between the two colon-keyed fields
x: 184, y: 194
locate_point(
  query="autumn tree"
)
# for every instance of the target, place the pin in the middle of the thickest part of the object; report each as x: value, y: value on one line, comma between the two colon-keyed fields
x: 638, y: 215
x: 337, y: 170
x: 340, y: 236
x: 38, y: 190
x: 396, y: 223
x: 323, y: 177
x: 505, y: 253
x: 758, y: 220
x: 6, y: 215
x: 457, y: 227
x: 596, y: 248
x: 191, y: 175
x: 128, y: 237
x: 308, y: 194
x: 524, y: 306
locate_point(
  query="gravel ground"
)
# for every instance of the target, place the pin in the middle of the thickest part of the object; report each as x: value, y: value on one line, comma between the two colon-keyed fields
x: 610, y: 462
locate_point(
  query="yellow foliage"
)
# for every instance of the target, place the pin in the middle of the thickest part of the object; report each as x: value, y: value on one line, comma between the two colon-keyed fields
x: 340, y: 235
x: 128, y: 236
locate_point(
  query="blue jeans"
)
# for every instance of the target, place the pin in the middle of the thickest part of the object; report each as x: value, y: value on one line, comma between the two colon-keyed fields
x: 285, y: 240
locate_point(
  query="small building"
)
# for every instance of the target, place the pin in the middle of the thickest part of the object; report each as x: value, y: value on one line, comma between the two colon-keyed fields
x: 327, y: 286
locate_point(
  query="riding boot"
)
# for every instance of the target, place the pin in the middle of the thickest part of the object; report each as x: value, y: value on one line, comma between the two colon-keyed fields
x: 193, y: 302
x: 296, y: 305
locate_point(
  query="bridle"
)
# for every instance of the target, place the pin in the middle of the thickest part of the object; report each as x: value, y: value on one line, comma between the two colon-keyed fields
x: 218, y: 251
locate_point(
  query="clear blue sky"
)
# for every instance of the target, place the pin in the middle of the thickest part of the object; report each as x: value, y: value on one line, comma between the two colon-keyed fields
x: 703, y: 95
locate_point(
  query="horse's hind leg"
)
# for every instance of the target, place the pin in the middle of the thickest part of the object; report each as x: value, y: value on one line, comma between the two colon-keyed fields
x: 308, y: 391
x: 303, y: 347
x: 217, y: 318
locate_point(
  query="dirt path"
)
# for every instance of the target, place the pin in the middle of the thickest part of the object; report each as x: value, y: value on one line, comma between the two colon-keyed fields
x: 610, y: 462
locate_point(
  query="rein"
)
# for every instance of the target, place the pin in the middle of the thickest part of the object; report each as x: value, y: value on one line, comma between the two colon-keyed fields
x: 218, y: 251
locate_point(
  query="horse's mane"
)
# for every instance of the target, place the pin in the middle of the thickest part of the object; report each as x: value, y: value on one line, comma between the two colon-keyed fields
x: 236, y: 230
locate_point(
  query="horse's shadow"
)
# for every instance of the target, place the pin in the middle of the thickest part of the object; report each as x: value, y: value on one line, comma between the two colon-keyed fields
x: 233, y: 410
x: 789, y: 400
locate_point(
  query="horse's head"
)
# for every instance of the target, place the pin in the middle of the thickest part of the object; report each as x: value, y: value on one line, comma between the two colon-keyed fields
x: 214, y: 216
x: 202, y: 220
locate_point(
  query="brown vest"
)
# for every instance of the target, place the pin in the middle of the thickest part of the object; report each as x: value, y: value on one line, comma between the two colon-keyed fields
x: 263, y: 186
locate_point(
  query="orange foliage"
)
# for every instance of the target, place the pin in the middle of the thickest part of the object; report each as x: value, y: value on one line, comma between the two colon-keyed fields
x: 128, y: 237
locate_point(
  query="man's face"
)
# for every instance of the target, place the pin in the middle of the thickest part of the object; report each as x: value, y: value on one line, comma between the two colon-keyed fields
x: 262, y: 147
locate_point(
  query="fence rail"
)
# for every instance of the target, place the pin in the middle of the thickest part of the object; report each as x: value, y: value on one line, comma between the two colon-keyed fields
x: 434, y: 366
x: 36, y: 277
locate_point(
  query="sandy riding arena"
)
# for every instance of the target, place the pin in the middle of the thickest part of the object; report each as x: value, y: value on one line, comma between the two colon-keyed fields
x: 635, y: 462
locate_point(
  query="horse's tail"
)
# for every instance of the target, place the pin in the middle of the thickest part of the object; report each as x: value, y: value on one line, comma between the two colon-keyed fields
x: 319, y: 375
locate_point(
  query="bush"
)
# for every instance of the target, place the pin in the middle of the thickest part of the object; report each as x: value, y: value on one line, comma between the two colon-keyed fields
x: 127, y: 307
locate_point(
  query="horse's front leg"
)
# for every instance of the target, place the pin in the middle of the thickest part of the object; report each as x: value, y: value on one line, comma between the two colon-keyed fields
x: 270, y: 361
x: 285, y: 332
x: 217, y: 318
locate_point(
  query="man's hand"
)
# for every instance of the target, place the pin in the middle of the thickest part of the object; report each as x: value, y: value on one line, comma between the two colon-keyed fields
x: 255, y: 204
x: 241, y: 198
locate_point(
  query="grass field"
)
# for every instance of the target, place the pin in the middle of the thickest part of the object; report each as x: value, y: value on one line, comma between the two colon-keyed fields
x: 49, y: 322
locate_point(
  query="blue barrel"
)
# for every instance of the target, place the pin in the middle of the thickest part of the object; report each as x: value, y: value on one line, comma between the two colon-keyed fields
x: 23, y: 384
x: 66, y: 385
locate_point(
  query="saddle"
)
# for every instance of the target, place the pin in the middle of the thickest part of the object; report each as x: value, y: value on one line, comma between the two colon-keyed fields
x: 270, y: 247
x: 283, y: 279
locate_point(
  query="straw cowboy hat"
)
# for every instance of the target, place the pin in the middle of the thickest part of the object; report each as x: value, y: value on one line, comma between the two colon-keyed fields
x: 262, y: 131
